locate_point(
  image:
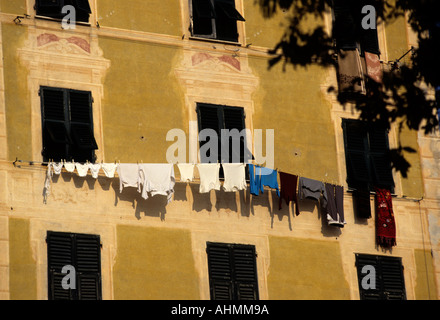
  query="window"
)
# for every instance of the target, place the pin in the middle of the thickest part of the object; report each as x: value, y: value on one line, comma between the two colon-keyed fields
x: 53, y: 9
x: 67, y: 123
x: 218, y: 118
x: 357, y: 49
x: 388, y: 273
x: 367, y: 155
x: 232, y: 271
x: 348, y: 31
x: 215, y: 19
x: 83, y: 253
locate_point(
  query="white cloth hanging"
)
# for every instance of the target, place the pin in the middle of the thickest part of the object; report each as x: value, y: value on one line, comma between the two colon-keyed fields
x: 82, y: 169
x: 49, y: 174
x: 57, y: 167
x: 109, y: 169
x: 209, y: 177
x: 157, y: 179
x: 235, y: 176
x: 186, y: 172
x: 94, y: 169
x: 69, y: 166
x: 128, y: 176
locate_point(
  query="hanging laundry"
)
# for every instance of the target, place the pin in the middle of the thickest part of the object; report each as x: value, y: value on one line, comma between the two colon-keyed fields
x: 235, y: 177
x: 260, y: 177
x: 94, y: 169
x: 312, y: 189
x: 69, y: 166
x: 269, y: 178
x: 350, y: 74
x: 82, y: 169
x: 335, y: 205
x: 209, y: 176
x: 157, y: 179
x: 373, y: 66
x: 128, y: 176
x: 49, y: 174
x: 288, y: 184
x: 362, y: 204
x: 385, y: 222
x: 109, y: 169
x: 57, y: 167
x: 186, y: 172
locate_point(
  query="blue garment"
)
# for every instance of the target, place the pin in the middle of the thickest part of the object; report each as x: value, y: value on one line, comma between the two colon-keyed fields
x: 263, y: 177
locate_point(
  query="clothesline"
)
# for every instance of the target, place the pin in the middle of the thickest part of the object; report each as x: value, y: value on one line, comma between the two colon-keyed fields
x: 30, y: 162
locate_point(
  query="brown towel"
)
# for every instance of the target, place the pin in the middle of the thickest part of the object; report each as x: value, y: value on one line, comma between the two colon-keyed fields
x: 350, y: 74
x: 374, y: 68
x: 288, y: 184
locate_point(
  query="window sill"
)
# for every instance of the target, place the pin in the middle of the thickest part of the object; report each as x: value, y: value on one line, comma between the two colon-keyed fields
x: 233, y: 43
x: 81, y: 23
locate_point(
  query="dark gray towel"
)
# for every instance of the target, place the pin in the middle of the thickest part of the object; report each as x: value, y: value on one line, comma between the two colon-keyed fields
x: 312, y: 189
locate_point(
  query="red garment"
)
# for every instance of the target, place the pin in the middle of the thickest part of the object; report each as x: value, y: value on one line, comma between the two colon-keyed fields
x: 385, y: 222
x: 288, y: 184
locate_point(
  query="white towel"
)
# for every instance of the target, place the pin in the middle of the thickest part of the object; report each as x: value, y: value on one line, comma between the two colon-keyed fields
x: 157, y: 179
x: 94, y: 169
x: 186, y: 171
x: 82, y: 169
x: 209, y: 176
x: 109, y: 169
x: 128, y: 176
x: 57, y: 167
x: 235, y: 177
x: 69, y: 166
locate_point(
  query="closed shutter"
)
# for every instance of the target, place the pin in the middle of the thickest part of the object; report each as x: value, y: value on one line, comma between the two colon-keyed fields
x: 233, y: 118
x: 83, y: 252
x: 368, y: 38
x: 379, y: 155
x: 209, y: 118
x: 245, y: 272
x: 361, y: 262
x: 392, y: 278
x: 88, y: 259
x: 232, y: 272
x: 355, y: 135
x: 81, y: 120
x: 56, y: 135
x: 390, y: 282
x: 60, y: 253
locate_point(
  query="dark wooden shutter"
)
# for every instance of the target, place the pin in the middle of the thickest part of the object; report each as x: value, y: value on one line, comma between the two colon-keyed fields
x: 361, y: 262
x: 81, y: 125
x: 233, y: 118
x: 60, y: 253
x: 226, y: 20
x: 232, y: 272
x: 55, y: 124
x: 83, y: 252
x: 356, y: 151
x: 210, y: 118
x: 88, y: 259
x: 245, y: 272
x: 390, y: 282
x: 83, y: 5
x: 220, y: 272
x: 379, y: 155
x: 392, y: 278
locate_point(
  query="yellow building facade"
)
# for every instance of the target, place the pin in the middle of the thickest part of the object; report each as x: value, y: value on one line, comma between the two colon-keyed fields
x: 146, y: 72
